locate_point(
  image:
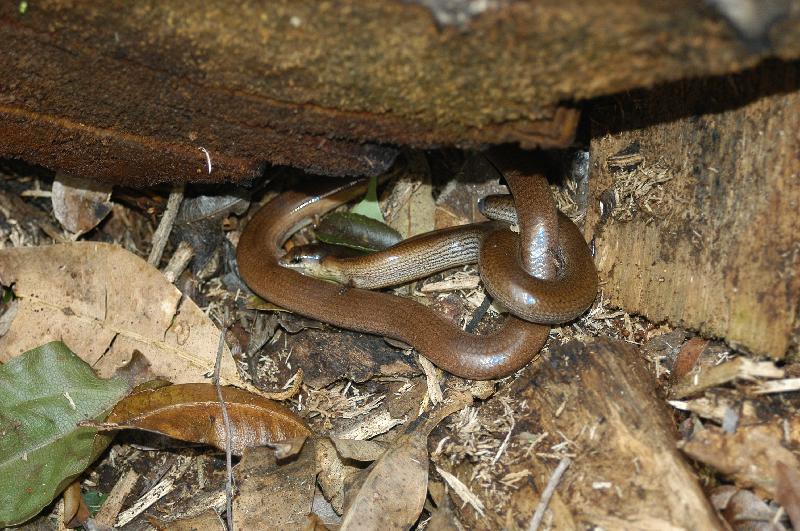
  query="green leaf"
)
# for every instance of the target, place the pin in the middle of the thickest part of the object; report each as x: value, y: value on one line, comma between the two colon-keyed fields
x: 369, y: 205
x: 44, y: 393
x: 94, y: 500
x: 356, y: 231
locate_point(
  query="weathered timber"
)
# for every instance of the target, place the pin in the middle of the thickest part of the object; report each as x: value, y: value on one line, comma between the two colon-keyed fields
x: 130, y: 91
x: 705, y: 229
x: 597, y: 403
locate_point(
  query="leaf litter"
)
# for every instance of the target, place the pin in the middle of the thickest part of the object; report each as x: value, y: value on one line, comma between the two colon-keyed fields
x: 482, y: 446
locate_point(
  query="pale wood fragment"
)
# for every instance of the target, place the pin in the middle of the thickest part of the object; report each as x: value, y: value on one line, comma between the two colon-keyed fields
x: 598, y: 405
x: 705, y: 229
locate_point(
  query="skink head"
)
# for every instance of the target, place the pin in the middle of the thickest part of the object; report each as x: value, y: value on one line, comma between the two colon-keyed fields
x: 310, y: 260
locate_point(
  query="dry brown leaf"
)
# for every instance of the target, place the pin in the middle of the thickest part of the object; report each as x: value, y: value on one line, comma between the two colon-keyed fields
x: 336, y: 467
x: 749, y: 456
x: 687, y: 357
x: 359, y: 450
x: 410, y: 209
x: 191, y: 412
x: 788, y: 491
x: 75, y: 510
x: 390, y: 494
x: 272, y: 495
x: 393, y: 493
x: 104, y: 303
x: 323, y: 510
x: 208, y: 520
x: 745, y: 511
x: 335, y: 473
x: 444, y: 518
x: 80, y: 204
x: 288, y: 448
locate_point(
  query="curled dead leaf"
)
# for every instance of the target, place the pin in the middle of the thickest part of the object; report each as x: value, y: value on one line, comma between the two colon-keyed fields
x: 80, y: 204
x: 106, y: 302
x: 75, y: 510
x: 393, y: 492
x: 191, y: 412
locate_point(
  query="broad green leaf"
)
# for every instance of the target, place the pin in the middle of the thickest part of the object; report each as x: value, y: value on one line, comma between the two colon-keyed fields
x: 94, y: 500
x: 44, y: 393
x: 369, y: 205
x: 356, y: 231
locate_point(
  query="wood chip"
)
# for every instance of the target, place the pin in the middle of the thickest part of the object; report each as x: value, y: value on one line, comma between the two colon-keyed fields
x: 462, y: 491
x: 739, y: 368
x: 161, y: 489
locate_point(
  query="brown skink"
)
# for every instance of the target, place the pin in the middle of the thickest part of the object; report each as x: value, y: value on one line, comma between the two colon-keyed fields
x: 479, y: 357
x: 490, y: 356
x: 544, y: 275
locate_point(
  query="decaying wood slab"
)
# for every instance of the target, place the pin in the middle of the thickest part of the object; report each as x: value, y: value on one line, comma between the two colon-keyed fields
x: 597, y: 403
x: 705, y: 229
x: 131, y: 91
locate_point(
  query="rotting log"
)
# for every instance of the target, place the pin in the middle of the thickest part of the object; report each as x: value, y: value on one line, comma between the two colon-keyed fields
x: 699, y: 223
x: 598, y: 402
x: 131, y: 91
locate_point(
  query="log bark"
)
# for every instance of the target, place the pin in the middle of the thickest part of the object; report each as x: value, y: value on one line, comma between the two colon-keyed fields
x: 700, y: 216
x: 626, y: 471
x: 131, y: 91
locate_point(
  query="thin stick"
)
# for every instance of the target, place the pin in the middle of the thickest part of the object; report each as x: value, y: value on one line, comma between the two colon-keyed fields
x: 479, y: 313
x: 165, y: 225
x: 227, y: 421
x: 178, y: 262
x: 538, y: 515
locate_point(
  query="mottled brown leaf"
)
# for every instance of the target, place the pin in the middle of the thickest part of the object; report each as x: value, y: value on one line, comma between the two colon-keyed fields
x: 788, y: 491
x: 274, y: 494
x: 105, y: 302
x: 80, y: 204
x: 393, y: 493
x: 191, y: 412
x: 75, y: 510
x: 208, y: 520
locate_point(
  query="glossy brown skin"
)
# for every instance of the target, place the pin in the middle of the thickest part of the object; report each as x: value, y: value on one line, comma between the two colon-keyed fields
x: 478, y: 357
x: 545, y: 274
x: 536, y: 299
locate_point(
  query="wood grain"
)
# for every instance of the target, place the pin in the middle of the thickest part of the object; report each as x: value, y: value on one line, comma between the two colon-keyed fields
x: 705, y: 230
x: 598, y: 404
x: 130, y: 91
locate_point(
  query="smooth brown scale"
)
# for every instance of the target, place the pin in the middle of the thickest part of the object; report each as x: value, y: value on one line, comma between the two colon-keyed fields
x: 509, y: 257
x: 479, y: 357
x: 546, y: 282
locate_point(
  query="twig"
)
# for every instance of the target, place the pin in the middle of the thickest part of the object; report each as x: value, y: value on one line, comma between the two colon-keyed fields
x: 165, y: 225
x: 431, y: 380
x: 178, y: 261
x: 504, y: 445
x: 538, y: 515
x: 227, y: 421
x: 161, y: 489
x: 36, y: 193
x: 777, y: 386
x: 111, y: 507
x: 479, y: 313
